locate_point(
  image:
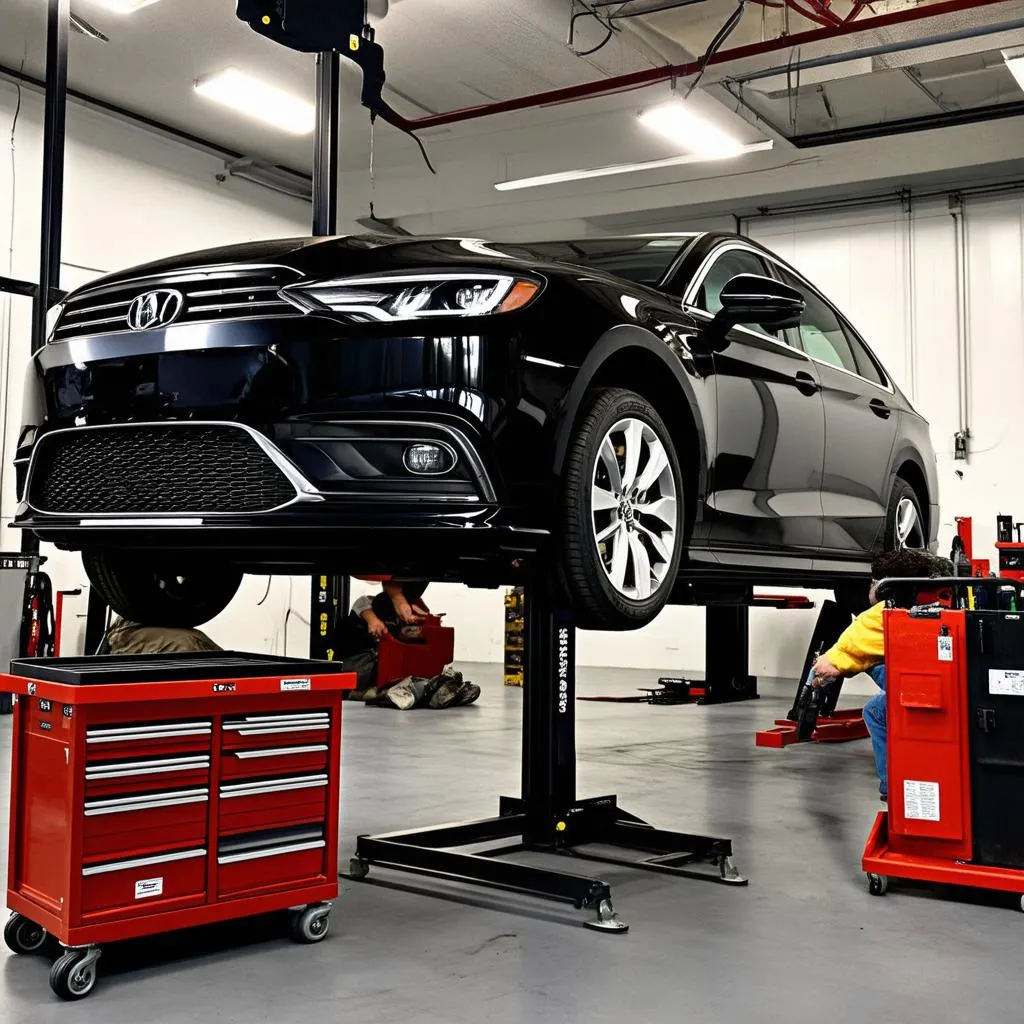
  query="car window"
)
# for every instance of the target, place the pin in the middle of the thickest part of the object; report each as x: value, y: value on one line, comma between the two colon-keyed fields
x: 867, y: 365
x: 820, y: 332
x: 723, y: 270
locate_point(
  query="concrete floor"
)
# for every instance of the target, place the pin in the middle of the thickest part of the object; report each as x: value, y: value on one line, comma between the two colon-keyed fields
x: 803, y: 943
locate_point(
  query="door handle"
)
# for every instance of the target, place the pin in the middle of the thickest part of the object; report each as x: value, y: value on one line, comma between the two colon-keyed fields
x: 805, y: 383
x: 880, y: 409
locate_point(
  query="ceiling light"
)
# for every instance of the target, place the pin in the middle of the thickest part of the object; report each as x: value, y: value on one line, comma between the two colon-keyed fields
x: 1015, y: 64
x: 610, y: 169
x: 267, y: 103
x: 123, y: 6
x: 681, y: 124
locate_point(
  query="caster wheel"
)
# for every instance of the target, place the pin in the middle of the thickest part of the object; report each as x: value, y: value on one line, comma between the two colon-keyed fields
x: 24, y: 936
x: 73, y: 976
x: 878, y: 885
x: 310, y: 925
x: 358, y: 868
x: 1020, y: 904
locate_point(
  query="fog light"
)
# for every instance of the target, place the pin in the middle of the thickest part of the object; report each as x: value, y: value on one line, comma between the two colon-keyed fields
x: 428, y: 459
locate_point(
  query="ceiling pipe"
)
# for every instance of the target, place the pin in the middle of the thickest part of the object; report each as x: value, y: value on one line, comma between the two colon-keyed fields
x: 651, y: 76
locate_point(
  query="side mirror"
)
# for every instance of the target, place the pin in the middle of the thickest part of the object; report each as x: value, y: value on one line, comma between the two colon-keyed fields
x: 752, y: 299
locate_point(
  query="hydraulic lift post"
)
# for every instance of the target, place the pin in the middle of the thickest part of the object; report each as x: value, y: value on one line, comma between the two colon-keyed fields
x: 548, y: 816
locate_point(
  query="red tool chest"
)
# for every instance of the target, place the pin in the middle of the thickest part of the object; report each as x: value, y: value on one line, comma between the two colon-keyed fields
x: 156, y: 793
x: 424, y: 655
x: 955, y: 716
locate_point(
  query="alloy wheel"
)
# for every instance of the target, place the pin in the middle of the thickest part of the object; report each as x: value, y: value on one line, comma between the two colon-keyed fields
x: 909, y: 533
x: 634, y: 508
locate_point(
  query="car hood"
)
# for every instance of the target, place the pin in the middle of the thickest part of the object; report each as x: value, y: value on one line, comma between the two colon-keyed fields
x: 350, y: 254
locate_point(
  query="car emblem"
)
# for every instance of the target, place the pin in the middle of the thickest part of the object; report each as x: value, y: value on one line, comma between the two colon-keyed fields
x: 155, y: 309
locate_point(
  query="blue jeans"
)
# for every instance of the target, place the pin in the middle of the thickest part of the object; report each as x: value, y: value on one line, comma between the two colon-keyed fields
x: 874, y: 719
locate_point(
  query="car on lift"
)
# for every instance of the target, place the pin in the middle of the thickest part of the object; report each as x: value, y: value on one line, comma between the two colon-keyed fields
x: 646, y: 418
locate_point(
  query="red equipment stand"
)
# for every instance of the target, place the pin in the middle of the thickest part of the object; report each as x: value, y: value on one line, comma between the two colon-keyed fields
x: 954, y: 685
x: 156, y: 793
x: 838, y: 727
x: 424, y: 655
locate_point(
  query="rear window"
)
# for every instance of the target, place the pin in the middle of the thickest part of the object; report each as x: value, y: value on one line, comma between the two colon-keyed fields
x: 641, y: 260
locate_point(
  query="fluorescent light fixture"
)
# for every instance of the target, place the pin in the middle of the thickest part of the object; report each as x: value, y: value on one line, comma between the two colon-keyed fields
x: 1015, y: 64
x: 678, y: 122
x: 265, y: 102
x: 603, y: 172
x: 123, y: 6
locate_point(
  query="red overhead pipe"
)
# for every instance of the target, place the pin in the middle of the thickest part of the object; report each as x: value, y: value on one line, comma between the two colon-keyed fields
x: 650, y: 76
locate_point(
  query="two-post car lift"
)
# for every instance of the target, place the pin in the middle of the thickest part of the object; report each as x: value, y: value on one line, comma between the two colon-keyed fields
x: 548, y: 816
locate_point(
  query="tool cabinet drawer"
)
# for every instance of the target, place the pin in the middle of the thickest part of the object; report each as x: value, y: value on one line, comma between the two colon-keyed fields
x: 149, y: 739
x: 144, y: 884
x: 307, y: 758
x: 270, y: 860
x: 171, y: 819
x: 277, y: 730
x: 272, y: 803
x: 109, y: 778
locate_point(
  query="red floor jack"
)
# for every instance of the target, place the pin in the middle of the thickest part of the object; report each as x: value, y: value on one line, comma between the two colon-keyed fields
x: 955, y: 698
x: 813, y: 716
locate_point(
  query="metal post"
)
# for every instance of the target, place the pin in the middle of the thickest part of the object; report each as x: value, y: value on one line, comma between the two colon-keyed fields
x: 57, y: 32
x: 325, y: 153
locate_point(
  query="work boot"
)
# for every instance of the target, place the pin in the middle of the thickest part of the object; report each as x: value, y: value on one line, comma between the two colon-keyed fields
x: 467, y: 695
x: 402, y: 695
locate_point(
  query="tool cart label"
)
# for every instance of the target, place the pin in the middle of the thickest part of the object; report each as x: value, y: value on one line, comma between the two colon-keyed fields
x: 148, y: 887
x: 296, y: 684
x: 920, y: 800
x: 1006, y: 682
x: 945, y: 648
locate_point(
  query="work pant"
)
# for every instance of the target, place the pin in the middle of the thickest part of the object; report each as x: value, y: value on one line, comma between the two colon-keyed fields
x: 874, y: 719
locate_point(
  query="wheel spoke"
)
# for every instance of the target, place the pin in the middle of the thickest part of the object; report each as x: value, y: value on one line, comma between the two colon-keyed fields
x: 603, y: 535
x: 657, y: 543
x: 611, y: 464
x: 620, y: 557
x: 662, y: 509
x: 602, y: 500
x: 906, y: 520
x: 641, y: 566
x: 634, y: 434
x: 656, y: 465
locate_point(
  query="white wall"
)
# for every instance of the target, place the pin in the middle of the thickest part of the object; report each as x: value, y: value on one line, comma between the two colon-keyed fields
x: 130, y: 196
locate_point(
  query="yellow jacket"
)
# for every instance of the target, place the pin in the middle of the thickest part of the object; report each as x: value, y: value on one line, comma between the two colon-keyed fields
x: 862, y: 644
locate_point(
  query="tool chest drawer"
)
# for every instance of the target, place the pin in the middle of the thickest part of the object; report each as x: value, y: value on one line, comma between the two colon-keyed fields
x: 272, y: 803
x: 267, y: 761
x: 108, y: 778
x: 270, y: 859
x: 120, y: 825
x: 276, y: 730
x: 137, y: 884
x: 150, y: 739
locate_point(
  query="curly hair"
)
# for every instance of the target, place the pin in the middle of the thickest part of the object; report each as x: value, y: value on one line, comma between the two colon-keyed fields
x: 909, y: 563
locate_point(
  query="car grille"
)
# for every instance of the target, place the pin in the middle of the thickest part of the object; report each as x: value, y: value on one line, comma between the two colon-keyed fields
x: 137, y: 470
x: 219, y: 293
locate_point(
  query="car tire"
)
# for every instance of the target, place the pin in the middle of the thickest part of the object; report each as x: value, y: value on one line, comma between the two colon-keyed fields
x: 152, y: 594
x: 622, y: 513
x: 904, y: 521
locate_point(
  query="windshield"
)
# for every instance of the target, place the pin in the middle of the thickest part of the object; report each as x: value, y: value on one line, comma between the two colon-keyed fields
x: 643, y: 260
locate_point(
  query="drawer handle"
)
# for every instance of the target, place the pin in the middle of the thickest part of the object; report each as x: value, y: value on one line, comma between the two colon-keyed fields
x: 272, y: 851
x: 259, y: 788
x: 161, y: 727
x: 127, y: 737
x: 124, y: 770
x: 151, y: 803
x: 245, y: 755
x: 142, y: 862
x: 271, y: 723
x: 271, y: 730
x: 298, y: 716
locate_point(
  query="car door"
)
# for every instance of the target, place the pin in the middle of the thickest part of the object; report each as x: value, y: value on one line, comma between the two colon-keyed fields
x: 764, y: 486
x: 860, y: 426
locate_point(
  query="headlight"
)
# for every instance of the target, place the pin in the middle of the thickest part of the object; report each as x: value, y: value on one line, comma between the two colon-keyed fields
x: 52, y: 316
x: 415, y: 296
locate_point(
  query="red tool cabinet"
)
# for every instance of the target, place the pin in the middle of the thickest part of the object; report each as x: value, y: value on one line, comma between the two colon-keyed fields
x: 155, y: 793
x: 425, y: 655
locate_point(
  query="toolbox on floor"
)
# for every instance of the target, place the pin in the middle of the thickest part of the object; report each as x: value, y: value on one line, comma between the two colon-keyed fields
x: 955, y: 714
x: 158, y: 792
x: 425, y: 654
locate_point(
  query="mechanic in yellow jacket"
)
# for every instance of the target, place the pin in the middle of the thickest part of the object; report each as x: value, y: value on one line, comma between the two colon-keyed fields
x: 861, y: 647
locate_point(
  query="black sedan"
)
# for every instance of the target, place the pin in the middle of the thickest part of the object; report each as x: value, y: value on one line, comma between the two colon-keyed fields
x: 648, y: 419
